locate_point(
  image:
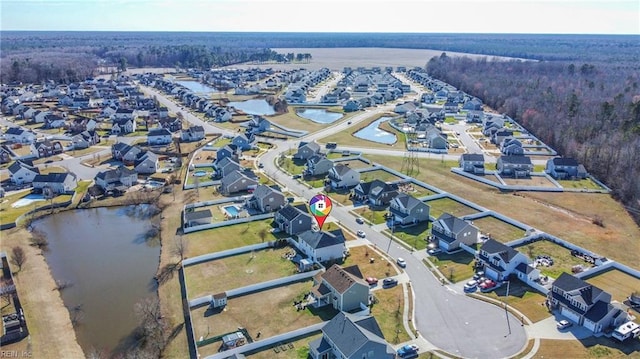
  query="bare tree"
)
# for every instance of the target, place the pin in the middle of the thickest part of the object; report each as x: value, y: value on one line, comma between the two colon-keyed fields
x: 179, y: 246
x: 39, y: 239
x: 18, y: 257
x: 151, y: 329
x: 262, y: 234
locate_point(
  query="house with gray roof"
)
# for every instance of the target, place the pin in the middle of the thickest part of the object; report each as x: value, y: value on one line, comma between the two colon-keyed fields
x: 584, y: 304
x: 19, y: 135
x: 57, y: 182
x: 225, y: 166
x: 238, y: 181
x: 511, y: 146
x: 21, y: 172
x: 472, y: 163
x: 158, y: 136
x: 293, y: 219
x: 565, y: 168
x: 230, y: 150
x: 342, y: 288
x: 306, y: 150
x: 375, y: 193
x: 499, y: 260
x: 119, y: 179
x: 146, y: 163
x: 351, y: 337
x: 197, y: 217
x: 514, y: 166
x: 243, y: 142
x: 343, y: 176
x: 266, y: 199
x: 322, y: 246
x: 192, y: 134
x: 125, y: 153
x: 451, y: 231
x: 408, y: 210
x: 318, y: 164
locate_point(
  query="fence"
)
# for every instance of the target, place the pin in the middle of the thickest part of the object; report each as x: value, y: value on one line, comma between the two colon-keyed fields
x: 228, y: 223
x: 222, y: 254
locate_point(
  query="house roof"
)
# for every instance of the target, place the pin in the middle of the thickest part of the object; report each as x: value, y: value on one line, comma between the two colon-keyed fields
x: 473, y: 157
x: 493, y: 247
x: 350, y: 333
x: 14, y: 131
x: 524, y: 268
x: 452, y: 223
x: 583, y: 292
x: 158, y: 131
x: 519, y: 160
x: 313, y: 146
x: 407, y: 201
x: 20, y: 164
x: 341, y: 279
x: 53, y: 177
x: 565, y: 161
x: 263, y: 191
x: 341, y: 169
x: 290, y: 212
x: 116, y: 173
x: 322, y: 239
x: 195, y: 215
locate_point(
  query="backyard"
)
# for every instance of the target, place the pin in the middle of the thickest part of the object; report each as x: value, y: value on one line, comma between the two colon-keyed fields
x: 381, y: 175
x: 563, y: 261
x: 414, y: 236
x: 536, y: 181
x: 448, y: 205
x: 498, y: 229
x: 617, y: 283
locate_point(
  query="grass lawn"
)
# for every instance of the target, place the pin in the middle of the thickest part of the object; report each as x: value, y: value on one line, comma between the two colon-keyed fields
x: 375, y: 216
x: 562, y: 258
x: 456, y: 267
x: 415, y: 190
x: 442, y: 205
x: 97, y: 148
x: 291, y: 120
x: 566, y: 215
x: 361, y: 256
x: 341, y: 197
x: 388, y: 313
x: 523, y: 298
x: 347, y: 138
x: 237, y: 271
x: 537, y: 181
x: 9, y: 214
x: 586, y: 183
x: 300, y: 349
x: 588, y: 348
x: 499, y: 230
x: 294, y: 167
x: 617, y: 283
x: 272, y: 316
x: 378, y: 174
x: 219, y: 239
x: 355, y: 164
x: 315, y: 181
x: 413, y: 236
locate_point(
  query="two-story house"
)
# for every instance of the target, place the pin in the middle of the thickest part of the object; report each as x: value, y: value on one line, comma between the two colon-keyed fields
x: 225, y: 166
x: 46, y: 148
x: 451, y: 231
x: 243, y: 142
x: 158, y: 136
x: 342, y: 176
x: 584, y: 304
x: 230, y: 150
x: 192, y: 134
x: 342, y: 288
x: 565, y: 168
x: 21, y: 172
x: 408, y: 210
x: 56, y: 182
x: 119, y: 179
x: 126, y: 153
x: 293, y: 219
x: 318, y: 164
x: 511, y: 146
x: 499, y: 260
x: 375, y: 193
x: 515, y: 166
x: 348, y: 336
x: 238, y: 181
x: 472, y: 163
x: 85, y: 139
x: 266, y: 199
x: 322, y: 246
x: 146, y: 163
x: 123, y: 126
x: 19, y: 135
x: 306, y: 150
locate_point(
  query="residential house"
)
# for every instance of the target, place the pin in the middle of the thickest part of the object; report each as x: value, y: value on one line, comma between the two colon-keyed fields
x: 343, y: 176
x: 52, y: 121
x: 197, y: 217
x: 158, y: 136
x: 46, y: 148
x: 230, y: 150
x: 225, y: 166
x: 5, y: 154
x: 56, y: 182
x: 238, y: 181
x: 119, y: 179
x: 21, y: 172
x: 306, y: 150
x: 376, y: 193
x: 565, y: 168
x: 146, y: 163
x: 527, y: 273
x: 192, y: 134
x: 342, y: 288
x: 318, y: 164
x: 266, y: 199
x: 126, y: 153
x: 408, y: 210
x: 435, y: 138
x: 584, y: 304
x: 474, y: 116
x: 322, y: 246
x: 351, y: 106
x: 293, y: 219
x: 123, y: 126
x: 124, y: 114
x: 499, y: 260
x: 472, y: 105
x: 516, y: 166
x: 472, y: 162
x: 40, y: 116
x: 243, y: 142
x: 81, y: 124
x: 85, y: 139
x: 19, y: 135
x: 511, y: 146
x: 351, y: 337
x: 171, y: 124
x: 450, y: 106
x: 500, y: 136
x: 258, y: 124
x: 451, y: 231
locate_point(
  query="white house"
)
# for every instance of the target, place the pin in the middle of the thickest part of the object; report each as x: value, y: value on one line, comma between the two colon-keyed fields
x: 322, y: 246
x: 21, y: 172
x: 499, y: 260
x: 158, y: 136
x: 60, y: 183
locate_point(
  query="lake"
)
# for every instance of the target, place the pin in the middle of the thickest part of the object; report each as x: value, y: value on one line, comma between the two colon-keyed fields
x: 373, y: 133
x: 319, y: 115
x: 197, y: 87
x: 103, y: 253
x: 253, y: 107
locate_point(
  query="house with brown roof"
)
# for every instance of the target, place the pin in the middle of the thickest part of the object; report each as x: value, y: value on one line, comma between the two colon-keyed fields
x: 342, y: 288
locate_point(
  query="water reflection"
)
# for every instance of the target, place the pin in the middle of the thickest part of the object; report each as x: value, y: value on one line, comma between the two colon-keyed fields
x: 373, y: 133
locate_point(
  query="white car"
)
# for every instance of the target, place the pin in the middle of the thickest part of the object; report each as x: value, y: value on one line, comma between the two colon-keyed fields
x: 434, y: 251
x: 563, y: 324
x: 471, y: 286
x: 401, y: 262
x: 361, y: 234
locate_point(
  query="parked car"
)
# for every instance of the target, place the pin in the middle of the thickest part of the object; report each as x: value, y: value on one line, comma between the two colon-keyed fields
x: 401, y: 262
x: 434, y: 251
x: 487, y: 285
x: 260, y: 165
x: 361, y: 234
x: 408, y: 351
x: 359, y: 220
x: 389, y: 282
x: 372, y: 280
x: 471, y: 286
x: 296, y: 176
x: 563, y: 324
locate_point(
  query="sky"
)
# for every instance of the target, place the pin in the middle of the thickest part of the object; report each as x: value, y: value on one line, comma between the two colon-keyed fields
x: 423, y: 16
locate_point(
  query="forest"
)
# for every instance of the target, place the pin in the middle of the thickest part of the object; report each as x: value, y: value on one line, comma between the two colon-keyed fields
x: 589, y: 111
x: 578, y: 93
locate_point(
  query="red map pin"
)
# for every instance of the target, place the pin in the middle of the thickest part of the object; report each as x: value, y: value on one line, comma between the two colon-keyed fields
x: 320, y: 206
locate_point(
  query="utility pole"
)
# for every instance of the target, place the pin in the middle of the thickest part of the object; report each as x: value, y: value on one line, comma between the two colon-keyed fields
x: 506, y: 312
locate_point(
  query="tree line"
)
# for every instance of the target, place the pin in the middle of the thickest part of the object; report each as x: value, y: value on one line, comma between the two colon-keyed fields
x: 589, y: 111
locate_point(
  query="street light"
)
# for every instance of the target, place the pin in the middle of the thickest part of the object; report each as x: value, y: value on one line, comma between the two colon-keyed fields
x: 506, y: 312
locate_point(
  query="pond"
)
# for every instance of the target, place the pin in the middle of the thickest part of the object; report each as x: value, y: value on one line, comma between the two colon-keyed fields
x: 373, y: 133
x: 197, y: 87
x: 104, y: 256
x: 319, y: 115
x: 253, y: 107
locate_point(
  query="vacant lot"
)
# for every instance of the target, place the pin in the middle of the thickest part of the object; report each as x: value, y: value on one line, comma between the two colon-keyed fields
x: 269, y: 312
x: 497, y: 229
x: 535, y: 181
x: 588, y: 348
x: 388, y: 313
x: 361, y: 256
x: 523, y: 298
x: 413, y: 236
x: 566, y: 215
x: 617, y: 283
x: 455, y: 267
x: 447, y: 205
x: 237, y: 271
x: 562, y: 258
x: 378, y: 174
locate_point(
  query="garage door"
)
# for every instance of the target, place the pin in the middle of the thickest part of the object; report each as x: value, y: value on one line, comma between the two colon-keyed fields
x: 570, y: 315
x: 491, y: 273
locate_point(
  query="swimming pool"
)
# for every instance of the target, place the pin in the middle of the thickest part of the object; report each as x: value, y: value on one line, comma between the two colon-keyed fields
x: 232, y: 211
x: 27, y: 200
x: 200, y: 173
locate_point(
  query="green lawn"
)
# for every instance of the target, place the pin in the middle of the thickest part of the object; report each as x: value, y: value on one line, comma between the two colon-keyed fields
x: 294, y: 167
x: 456, y: 267
x: 586, y: 183
x: 414, y: 236
x: 499, y: 230
x: 388, y: 314
x: 375, y: 216
x: 9, y: 214
x: 617, y: 283
x: 562, y: 258
x: 447, y: 205
x: 378, y: 174
x: 523, y: 298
